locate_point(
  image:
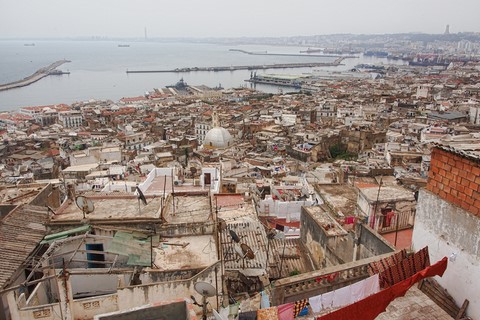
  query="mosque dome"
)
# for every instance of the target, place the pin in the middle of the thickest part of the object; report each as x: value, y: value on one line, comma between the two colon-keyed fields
x: 218, y: 137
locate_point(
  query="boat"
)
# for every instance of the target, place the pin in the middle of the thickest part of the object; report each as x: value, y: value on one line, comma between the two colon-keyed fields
x: 29, y: 44
x: 58, y: 72
x: 123, y: 45
x: 379, y: 54
x: 294, y: 81
x: 309, y: 50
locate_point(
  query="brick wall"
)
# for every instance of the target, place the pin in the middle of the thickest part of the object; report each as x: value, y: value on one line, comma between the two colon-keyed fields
x: 455, y: 179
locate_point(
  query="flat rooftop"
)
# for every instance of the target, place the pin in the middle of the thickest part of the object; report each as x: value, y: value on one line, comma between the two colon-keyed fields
x: 187, y: 209
x: 114, y: 206
x: 342, y: 197
x: 22, y: 194
x: 186, y: 253
x: 387, y: 193
x: 414, y: 305
x: 165, y: 184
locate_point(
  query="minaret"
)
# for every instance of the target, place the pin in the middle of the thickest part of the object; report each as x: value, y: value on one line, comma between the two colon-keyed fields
x: 447, y: 29
x: 215, y: 121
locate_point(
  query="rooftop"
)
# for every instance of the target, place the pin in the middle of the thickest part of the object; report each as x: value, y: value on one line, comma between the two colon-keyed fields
x: 186, y: 253
x: 467, y: 145
x: 342, y: 197
x: 22, y: 194
x: 115, y: 205
x: 20, y: 233
x: 187, y: 209
x: 330, y: 226
x: 414, y: 305
x: 387, y: 193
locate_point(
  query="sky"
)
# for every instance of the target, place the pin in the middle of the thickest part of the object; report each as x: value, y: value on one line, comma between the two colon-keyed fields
x: 227, y: 18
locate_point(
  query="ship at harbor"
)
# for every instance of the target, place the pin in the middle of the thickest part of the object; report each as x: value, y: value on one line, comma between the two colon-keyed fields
x: 286, y: 80
x: 124, y: 46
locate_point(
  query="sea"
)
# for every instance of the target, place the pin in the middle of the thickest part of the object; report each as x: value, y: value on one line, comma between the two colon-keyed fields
x: 98, y: 68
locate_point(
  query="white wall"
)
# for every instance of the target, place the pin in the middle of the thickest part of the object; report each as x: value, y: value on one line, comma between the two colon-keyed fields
x: 446, y: 229
x: 284, y: 209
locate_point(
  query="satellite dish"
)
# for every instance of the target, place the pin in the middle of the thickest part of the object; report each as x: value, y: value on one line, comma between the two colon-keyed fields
x: 222, y: 225
x: 205, y: 289
x: 141, y: 196
x: 84, y: 204
x: 234, y: 236
x: 247, y: 251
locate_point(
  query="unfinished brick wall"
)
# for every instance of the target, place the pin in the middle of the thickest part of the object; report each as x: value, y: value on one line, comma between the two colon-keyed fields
x: 455, y: 179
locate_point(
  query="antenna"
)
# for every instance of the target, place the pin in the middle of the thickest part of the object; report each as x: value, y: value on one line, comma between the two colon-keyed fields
x: 205, y: 289
x: 140, y: 197
x: 84, y: 204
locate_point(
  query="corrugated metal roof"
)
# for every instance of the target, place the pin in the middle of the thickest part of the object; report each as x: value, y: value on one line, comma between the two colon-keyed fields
x: 20, y: 233
x: 252, y: 233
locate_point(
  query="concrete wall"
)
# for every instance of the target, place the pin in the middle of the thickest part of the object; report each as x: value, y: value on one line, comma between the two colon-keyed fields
x: 175, y: 310
x: 89, y: 307
x: 371, y: 243
x: 284, y: 209
x: 324, y: 249
x: 450, y: 231
x: 93, y: 284
x: 133, y: 296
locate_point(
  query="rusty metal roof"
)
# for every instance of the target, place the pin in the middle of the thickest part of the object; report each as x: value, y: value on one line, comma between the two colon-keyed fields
x: 20, y: 233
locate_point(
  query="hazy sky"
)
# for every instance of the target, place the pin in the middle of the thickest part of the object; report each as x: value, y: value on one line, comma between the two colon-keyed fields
x: 219, y: 18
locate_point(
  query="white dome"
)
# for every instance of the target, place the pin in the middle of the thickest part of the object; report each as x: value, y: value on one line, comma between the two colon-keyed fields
x: 218, y: 137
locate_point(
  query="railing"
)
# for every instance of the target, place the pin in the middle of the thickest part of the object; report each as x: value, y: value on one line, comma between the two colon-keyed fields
x: 404, y: 222
x: 313, y: 283
x: 179, y: 282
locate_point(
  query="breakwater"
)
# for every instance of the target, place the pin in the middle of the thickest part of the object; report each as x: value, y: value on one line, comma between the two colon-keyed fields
x: 39, y: 74
x: 265, y: 53
x: 246, y: 67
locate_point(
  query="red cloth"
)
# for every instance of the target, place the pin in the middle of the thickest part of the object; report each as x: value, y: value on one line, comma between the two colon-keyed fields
x: 285, y: 311
x: 370, y: 307
x: 388, y: 218
x: 349, y: 220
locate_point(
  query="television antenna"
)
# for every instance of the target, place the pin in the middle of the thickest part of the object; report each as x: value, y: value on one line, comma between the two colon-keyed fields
x: 206, y: 290
x: 84, y: 204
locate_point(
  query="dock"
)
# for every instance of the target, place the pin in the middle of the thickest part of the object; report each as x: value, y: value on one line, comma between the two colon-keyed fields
x: 39, y: 74
x: 246, y: 67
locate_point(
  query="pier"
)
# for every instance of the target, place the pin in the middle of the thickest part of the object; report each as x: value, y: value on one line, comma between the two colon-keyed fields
x: 247, y: 67
x: 39, y: 74
x: 265, y: 53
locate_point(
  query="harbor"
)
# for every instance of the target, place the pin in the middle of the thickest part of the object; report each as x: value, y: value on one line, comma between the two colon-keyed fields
x: 38, y: 75
x: 246, y: 67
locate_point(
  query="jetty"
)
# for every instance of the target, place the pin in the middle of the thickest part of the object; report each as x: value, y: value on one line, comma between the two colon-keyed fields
x: 39, y: 74
x: 246, y: 67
